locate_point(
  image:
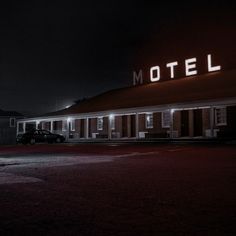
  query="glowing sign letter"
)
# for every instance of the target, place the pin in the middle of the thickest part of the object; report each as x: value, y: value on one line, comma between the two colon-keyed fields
x: 137, y: 78
x: 171, y: 66
x: 155, y: 73
x: 189, y: 66
x: 210, y: 67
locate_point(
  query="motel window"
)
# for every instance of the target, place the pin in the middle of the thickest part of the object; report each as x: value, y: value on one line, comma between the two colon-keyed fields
x: 57, y: 125
x: 43, y: 125
x: 64, y: 125
x: 12, y: 122
x: 47, y: 125
x: 220, y: 116
x: 149, y: 121
x: 100, y: 123
x: 72, y: 125
x: 21, y: 127
x: 165, y: 119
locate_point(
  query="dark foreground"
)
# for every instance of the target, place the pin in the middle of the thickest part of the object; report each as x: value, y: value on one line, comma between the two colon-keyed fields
x: 111, y: 190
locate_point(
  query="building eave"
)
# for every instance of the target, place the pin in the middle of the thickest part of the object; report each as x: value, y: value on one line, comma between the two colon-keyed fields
x: 130, y: 111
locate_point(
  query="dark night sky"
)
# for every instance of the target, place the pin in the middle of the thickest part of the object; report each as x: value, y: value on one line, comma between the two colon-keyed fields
x: 53, y: 53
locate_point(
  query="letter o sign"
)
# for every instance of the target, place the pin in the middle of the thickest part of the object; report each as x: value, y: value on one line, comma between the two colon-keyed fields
x: 155, y: 73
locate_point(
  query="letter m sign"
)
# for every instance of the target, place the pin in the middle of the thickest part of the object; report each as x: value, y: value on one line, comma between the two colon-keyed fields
x: 137, y: 77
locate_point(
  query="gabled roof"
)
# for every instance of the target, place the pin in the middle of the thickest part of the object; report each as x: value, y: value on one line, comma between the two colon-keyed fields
x: 211, y: 86
x: 10, y: 114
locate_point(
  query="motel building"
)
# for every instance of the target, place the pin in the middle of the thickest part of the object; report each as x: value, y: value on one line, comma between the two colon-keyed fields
x: 196, y: 106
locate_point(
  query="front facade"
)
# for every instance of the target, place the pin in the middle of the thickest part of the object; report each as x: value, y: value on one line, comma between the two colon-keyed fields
x: 192, y: 107
x: 8, y: 124
x: 196, y: 121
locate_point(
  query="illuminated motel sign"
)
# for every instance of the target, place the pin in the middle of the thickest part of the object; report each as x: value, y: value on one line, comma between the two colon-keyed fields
x: 190, y: 69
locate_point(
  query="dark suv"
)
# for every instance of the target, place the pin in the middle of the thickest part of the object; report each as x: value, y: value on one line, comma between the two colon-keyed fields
x: 39, y: 136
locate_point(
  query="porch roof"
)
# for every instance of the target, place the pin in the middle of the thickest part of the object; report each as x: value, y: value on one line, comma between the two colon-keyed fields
x: 211, y: 86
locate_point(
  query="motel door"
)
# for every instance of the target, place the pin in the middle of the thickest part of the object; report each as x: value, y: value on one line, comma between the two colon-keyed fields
x: 184, y: 123
x: 132, y: 126
x: 231, y: 121
x: 197, y: 122
x: 124, y: 127
x: 82, y: 128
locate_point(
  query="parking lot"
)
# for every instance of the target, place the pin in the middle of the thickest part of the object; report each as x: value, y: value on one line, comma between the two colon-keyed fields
x: 118, y: 189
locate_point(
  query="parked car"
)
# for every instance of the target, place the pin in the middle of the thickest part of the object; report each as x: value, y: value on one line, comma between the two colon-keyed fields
x: 39, y: 136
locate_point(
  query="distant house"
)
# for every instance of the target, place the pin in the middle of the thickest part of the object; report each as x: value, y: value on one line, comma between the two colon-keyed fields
x: 8, y: 126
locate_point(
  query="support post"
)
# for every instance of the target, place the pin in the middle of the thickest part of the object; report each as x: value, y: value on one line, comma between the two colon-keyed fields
x: 68, y: 128
x: 212, y: 121
x: 109, y: 127
x: 128, y: 126
x: 137, y: 125
x: 51, y: 126
x: 24, y: 127
x: 87, y: 128
x: 17, y: 128
x: 43, y: 124
x: 171, y: 123
x: 37, y: 124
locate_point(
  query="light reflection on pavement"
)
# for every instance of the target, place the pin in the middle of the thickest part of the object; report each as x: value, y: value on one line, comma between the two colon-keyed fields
x: 9, y: 178
x: 50, y: 160
x: 41, y: 161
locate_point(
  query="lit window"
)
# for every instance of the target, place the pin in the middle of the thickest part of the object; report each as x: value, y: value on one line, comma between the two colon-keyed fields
x: 165, y: 119
x: 112, y: 122
x: 149, y: 121
x: 220, y: 116
x: 100, y: 123
x: 12, y: 122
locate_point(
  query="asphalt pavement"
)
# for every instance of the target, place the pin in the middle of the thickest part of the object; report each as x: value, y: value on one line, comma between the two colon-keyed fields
x: 118, y: 189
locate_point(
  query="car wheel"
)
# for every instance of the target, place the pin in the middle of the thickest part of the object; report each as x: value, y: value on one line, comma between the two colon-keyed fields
x: 58, y: 140
x: 32, y: 141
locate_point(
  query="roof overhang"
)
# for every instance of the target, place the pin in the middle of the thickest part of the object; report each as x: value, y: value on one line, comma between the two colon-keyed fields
x: 139, y: 110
